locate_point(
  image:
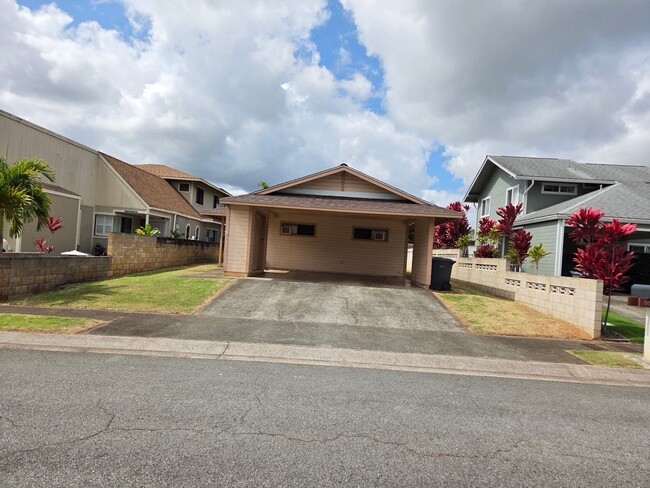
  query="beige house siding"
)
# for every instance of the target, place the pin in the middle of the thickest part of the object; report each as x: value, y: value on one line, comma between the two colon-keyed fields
x: 342, y: 182
x: 333, y: 248
x: 63, y: 240
x: 422, y: 248
x: 238, y: 240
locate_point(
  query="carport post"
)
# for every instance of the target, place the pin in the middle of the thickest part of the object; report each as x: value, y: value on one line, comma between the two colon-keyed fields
x: 646, y: 343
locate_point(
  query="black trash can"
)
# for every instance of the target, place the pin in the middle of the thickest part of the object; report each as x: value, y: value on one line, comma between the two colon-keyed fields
x: 441, y: 273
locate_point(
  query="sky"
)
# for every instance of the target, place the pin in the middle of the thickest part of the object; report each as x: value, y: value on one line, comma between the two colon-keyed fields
x: 414, y: 92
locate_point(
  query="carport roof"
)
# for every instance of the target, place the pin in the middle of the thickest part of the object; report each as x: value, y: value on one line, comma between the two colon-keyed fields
x: 343, y: 205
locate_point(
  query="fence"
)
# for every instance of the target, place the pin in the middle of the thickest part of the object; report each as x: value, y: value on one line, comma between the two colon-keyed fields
x: 578, y: 301
x: 28, y: 273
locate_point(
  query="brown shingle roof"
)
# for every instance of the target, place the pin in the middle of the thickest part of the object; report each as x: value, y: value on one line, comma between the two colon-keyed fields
x: 155, y: 191
x: 343, y: 205
x: 165, y: 171
x: 215, y: 212
x: 59, y: 189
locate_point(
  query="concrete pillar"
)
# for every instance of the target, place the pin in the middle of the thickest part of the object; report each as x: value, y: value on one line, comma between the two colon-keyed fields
x: 646, y: 343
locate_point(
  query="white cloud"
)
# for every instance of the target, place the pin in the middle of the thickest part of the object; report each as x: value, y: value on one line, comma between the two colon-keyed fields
x: 215, y: 89
x: 518, y: 77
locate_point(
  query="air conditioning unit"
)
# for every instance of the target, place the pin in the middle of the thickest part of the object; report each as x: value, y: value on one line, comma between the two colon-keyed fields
x: 288, y: 229
x: 379, y: 235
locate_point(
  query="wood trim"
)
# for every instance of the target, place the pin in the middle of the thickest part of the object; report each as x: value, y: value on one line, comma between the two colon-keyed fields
x: 344, y: 211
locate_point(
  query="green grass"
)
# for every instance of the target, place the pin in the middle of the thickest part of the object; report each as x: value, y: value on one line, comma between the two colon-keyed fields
x: 41, y: 323
x: 634, y: 331
x: 607, y: 358
x: 177, y: 291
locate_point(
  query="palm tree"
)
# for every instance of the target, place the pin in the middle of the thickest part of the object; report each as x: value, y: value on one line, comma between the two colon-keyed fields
x: 22, y: 198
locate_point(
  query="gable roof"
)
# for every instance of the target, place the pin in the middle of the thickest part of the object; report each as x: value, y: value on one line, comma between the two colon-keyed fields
x: 407, y: 205
x: 155, y: 191
x: 169, y: 173
x: 553, y: 169
x: 343, y: 168
x: 627, y: 201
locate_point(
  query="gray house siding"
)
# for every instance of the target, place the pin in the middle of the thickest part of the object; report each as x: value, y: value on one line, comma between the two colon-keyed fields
x: 544, y: 233
x: 496, y: 189
x: 536, y: 200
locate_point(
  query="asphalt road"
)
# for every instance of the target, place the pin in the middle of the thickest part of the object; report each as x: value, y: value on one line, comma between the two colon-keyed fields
x: 78, y: 419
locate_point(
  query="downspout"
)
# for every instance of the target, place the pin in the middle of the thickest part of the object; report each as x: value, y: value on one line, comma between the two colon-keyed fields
x: 532, y: 182
x: 174, y: 226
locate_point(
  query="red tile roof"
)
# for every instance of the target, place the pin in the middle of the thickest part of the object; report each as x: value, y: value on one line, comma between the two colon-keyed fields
x: 155, y: 191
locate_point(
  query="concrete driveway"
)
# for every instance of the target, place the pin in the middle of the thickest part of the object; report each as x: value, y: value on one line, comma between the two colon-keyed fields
x: 333, y: 303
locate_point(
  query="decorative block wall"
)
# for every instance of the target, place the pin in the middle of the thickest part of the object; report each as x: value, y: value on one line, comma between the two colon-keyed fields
x: 578, y: 301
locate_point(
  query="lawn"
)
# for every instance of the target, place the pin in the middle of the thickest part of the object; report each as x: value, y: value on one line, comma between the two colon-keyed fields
x: 177, y: 291
x: 41, y: 323
x: 487, y: 314
x: 607, y: 358
x: 634, y: 331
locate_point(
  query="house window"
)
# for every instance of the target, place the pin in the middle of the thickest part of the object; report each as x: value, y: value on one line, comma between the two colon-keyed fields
x: 485, y: 207
x: 298, y: 229
x: 559, y: 189
x: 188, y: 230
x: 196, y: 233
x: 370, y: 234
x: 199, y: 195
x: 213, y: 235
x: 215, y: 201
x: 639, y: 248
x: 592, y: 186
x: 184, y: 187
x: 512, y: 195
x: 126, y: 226
x: 103, y: 225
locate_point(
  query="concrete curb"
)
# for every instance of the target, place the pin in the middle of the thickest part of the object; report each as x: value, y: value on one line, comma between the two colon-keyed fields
x: 235, y: 351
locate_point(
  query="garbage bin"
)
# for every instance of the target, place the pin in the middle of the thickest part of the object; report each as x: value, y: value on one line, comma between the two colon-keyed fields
x: 441, y: 273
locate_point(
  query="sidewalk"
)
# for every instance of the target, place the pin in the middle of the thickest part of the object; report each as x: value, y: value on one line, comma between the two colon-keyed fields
x: 425, y: 363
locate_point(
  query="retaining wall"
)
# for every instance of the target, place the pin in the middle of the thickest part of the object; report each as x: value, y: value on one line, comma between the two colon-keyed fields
x: 28, y: 273
x: 578, y: 301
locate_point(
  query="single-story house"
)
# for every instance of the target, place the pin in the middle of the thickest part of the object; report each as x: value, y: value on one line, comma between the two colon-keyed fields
x: 336, y: 221
x: 552, y: 189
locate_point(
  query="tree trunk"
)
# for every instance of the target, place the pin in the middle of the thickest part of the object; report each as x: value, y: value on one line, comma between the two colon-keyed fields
x: 2, y: 235
x: 603, y: 327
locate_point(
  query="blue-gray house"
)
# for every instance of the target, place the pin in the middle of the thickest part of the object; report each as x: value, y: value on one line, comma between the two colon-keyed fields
x: 552, y: 189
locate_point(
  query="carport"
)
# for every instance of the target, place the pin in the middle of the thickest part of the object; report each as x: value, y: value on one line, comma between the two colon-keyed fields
x: 336, y: 221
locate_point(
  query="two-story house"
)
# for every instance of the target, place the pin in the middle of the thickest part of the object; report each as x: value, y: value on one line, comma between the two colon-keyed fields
x: 97, y: 194
x: 201, y: 194
x: 552, y: 189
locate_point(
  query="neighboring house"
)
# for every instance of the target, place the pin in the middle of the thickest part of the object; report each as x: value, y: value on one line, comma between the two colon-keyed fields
x: 201, y: 194
x: 552, y: 189
x: 95, y: 193
x: 338, y: 221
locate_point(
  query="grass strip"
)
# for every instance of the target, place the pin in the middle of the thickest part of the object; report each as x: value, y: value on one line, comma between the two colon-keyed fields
x: 634, y: 331
x: 609, y: 359
x: 176, y: 291
x: 486, y: 314
x: 42, y: 323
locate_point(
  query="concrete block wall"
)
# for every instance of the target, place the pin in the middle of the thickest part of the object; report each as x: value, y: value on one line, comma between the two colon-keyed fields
x: 132, y: 253
x: 29, y: 273
x: 578, y: 301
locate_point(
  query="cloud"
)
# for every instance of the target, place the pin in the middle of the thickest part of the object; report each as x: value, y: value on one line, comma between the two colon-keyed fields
x: 545, y: 77
x: 231, y: 91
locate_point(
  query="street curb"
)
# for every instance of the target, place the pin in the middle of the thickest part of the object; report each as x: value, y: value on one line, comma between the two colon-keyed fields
x: 272, y: 353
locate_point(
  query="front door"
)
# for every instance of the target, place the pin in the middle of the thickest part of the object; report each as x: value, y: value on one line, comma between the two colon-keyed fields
x: 259, y: 245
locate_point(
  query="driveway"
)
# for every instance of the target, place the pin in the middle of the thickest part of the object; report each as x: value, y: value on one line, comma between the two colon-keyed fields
x: 333, y: 303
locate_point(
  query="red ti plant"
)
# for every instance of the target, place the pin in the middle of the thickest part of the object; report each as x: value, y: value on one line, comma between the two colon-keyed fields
x: 53, y: 225
x: 603, y: 257
x: 446, y: 235
x: 520, y: 241
x: 487, y: 237
x: 41, y: 244
x: 508, y: 215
